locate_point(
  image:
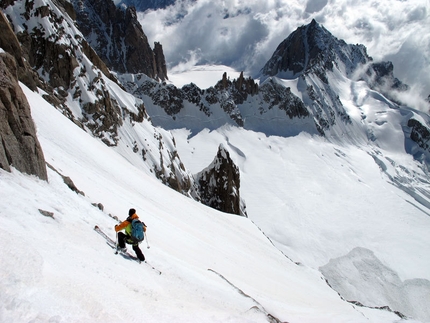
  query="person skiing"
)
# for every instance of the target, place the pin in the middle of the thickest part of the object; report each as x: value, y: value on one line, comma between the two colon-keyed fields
x: 127, y: 237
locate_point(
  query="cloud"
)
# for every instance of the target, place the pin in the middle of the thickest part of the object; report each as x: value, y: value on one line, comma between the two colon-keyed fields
x: 315, y: 5
x: 189, y: 62
x: 244, y: 34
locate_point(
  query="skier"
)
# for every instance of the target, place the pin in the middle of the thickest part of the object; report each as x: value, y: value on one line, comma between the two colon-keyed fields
x: 126, y: 237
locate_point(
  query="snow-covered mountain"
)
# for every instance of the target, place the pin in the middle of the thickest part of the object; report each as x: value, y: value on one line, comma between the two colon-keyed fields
x: 333, y: 170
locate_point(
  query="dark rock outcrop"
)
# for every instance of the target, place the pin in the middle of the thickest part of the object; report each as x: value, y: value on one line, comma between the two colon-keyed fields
x: 10, y: 44
x: 380, y: 76
x: 420, y: 134
x: 19, y: 146
x: 219, y: 184
x: 117, y: 37
x: 171, y: 171
x: 281, y: 97
x: 160, y: 62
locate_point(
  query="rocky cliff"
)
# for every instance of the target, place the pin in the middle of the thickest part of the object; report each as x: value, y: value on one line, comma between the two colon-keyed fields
x: 117, y: 37
x: 19, y: 146
x: 219, y: 184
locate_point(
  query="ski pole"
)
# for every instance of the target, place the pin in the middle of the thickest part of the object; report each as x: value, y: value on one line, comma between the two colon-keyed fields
x: 146, y: 236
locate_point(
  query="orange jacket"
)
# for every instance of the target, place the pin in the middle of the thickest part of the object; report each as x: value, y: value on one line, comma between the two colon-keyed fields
x: 123, y: 225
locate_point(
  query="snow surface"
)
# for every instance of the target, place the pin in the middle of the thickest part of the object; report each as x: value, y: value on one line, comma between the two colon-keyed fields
x: 322, y: 202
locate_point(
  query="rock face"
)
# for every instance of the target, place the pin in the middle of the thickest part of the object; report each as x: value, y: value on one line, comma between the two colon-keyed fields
x: 160, y: 62
x: 10, y: 44
x: 420, y: 134
x: 380, y: 76
x: 219, y: 184
x: 117, y: 37
x: 19, y: 146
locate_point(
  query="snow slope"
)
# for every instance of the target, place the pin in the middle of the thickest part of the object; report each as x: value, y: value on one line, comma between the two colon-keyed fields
x: 215, y: 267
x: 319, y: 201
x: 310, y: 195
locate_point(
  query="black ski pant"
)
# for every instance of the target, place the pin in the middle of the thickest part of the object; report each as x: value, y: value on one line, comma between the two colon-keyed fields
x: 123, y: 239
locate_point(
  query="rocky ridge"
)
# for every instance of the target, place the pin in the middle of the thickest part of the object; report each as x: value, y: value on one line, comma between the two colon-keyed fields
x: 312, y: 48
x: 311, y: 57
x: 240, y: 102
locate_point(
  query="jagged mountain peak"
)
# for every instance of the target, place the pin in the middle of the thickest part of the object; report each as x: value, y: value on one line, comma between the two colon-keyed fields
x: 219, y: 184
x: 312, y: 46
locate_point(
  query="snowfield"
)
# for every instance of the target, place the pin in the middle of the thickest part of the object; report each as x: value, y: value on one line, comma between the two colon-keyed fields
x: 313, y: 207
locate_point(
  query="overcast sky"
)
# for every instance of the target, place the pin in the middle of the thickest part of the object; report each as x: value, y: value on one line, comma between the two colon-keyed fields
x: 244, y: 34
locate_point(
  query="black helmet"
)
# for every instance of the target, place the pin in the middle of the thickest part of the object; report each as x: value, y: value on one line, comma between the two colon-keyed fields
x: 131, y: 212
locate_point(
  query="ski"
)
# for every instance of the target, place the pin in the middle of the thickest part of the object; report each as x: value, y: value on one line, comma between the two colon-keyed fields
x: 125, y: 254
x: 112, y: 244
